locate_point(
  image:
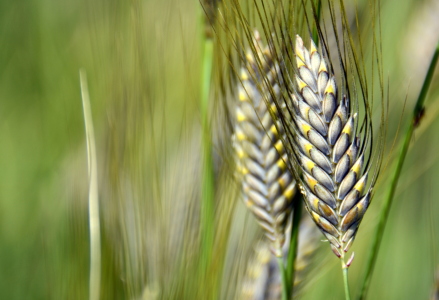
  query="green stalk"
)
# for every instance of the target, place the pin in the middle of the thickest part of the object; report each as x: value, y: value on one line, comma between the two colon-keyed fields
x: 283, y: 273
x: 294, y: 241
x: 315, y: 35
x: 344, y: 269
x: 417, y: 114
x: 207, y: 217
x: 207, y: 208
x: 93, y: 197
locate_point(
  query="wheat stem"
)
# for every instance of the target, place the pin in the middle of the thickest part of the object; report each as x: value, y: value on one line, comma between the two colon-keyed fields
x: 93, y: 200
x: 285, y: 284
x: 345, y: 279
x: 207, y: 209
x: 207, y: 186
x: 315, y: 35
x: 417, y: 114
x: 292, y: 253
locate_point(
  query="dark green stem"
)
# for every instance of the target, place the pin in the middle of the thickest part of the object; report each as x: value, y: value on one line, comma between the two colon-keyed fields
x: 315, y: 35
x: 417, y: 114
x: 294, y: 241
x: 283, y: 274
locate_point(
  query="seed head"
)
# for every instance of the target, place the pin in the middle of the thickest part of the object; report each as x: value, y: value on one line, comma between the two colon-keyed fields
x: 267, y: 184
x: 330, y: 151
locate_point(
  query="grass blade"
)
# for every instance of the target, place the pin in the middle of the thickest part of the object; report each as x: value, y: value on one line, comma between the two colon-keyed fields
x: 93, y: 200
x: 417, y: 113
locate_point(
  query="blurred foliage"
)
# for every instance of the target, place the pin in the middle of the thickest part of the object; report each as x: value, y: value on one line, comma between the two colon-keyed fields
x: 143, y: 63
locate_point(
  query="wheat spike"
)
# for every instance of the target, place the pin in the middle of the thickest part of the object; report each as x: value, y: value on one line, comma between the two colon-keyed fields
x: 331, y: 154
x: 267, y: 184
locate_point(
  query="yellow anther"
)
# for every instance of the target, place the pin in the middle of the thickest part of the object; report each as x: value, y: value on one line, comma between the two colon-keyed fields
x: 281, y: 164
x: 359, y: 186
x: 273, y: 108
x: 242, y: 96
x: 311, y: 182
x: 307, y: 111
x: 289, y: 193
x: 240, y: 116
x: 310, y: 165
x: 308, y: 148
x: 347, y: 130
x: 330, y: 89
x: 244, y: 75
x: 316, y: 217
x: 240, y: 136
x: 302, y: 84
x: 244, y: 171
x: 306, y: 128
x: 356, y: 168
x: 299, y: 62
x: 282, y: 182
x: 299, y: 53
x: 315, y: 203
x: 273, y: 129
x: 322, y: 67
x: 240, y: 153
x: 279, y: 146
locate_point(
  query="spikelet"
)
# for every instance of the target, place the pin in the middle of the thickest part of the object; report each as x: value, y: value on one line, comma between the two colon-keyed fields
x: 330, y: 151
x: 267, y: 185
x: 262, y: 279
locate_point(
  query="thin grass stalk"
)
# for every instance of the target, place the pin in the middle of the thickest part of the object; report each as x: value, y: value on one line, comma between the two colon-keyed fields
x: 416, y: 118
x: 286, y: 285
x: 345, y: 270
x: 207, y: 187
x: 93, y: 200
x: 207, y: 208
x: 294, y: 241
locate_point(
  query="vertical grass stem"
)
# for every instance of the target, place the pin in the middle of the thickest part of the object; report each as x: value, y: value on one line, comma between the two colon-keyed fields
x: 345, y: 269
x: 93, y: 200
x: 294, y: 241
x: 207, y: 217
x: 285, y: 284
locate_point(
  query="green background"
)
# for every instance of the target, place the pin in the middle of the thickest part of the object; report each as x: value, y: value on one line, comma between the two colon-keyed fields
x: 142, y: 59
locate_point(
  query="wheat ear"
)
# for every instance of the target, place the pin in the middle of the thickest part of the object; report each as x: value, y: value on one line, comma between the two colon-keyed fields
x: 331, y: 155
x: 267, y: 185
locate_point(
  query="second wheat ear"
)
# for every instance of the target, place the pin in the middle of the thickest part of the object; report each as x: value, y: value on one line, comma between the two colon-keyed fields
x: 268, y: 186
x: 330, y: 150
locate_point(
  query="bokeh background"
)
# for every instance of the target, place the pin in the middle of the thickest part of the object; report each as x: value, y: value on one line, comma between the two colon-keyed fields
x: 142, y: 60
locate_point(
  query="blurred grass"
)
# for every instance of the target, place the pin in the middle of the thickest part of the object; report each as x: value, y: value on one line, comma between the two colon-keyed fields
x: 143, y: 63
